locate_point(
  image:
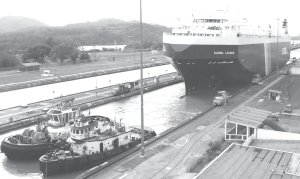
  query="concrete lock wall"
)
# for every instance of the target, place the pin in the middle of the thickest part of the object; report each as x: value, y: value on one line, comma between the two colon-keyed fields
x: 276, y: 135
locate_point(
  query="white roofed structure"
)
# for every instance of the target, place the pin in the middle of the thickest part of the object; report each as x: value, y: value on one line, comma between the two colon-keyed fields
x: 243, y: 122
x: 102, y: 47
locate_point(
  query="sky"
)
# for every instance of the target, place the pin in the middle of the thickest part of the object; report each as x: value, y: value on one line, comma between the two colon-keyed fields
x: 164, y: 12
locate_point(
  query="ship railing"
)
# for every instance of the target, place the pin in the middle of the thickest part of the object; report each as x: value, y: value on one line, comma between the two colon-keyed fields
x: 193, y: 34
x: 254, y: 35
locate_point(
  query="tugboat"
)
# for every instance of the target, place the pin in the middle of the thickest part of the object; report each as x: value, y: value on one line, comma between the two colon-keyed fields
x: 51, y: 135
x: 94, y: 139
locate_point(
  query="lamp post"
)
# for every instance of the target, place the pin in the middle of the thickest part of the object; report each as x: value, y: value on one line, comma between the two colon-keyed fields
x: 277, y: 45
x: 96, y: 88
x: 142, y: 86
x: 134, y: 55
x: 133, y: 50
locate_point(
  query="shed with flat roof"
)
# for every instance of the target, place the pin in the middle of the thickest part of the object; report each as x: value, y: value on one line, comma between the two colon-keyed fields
x: 33, y: 66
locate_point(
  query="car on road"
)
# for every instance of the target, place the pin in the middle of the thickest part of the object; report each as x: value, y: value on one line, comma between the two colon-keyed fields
x: 288, y: 108
x: 25, y: 105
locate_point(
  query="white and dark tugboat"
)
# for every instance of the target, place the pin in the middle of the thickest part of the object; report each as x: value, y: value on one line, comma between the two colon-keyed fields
x: 94, y: 139
x: 50, y: 135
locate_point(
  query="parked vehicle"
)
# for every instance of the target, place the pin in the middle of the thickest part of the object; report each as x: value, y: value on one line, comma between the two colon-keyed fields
x: 256, y: 79
x: 123, y: 88
x: 288, y: 108
x: 47, y: 73
x: 221, y: 99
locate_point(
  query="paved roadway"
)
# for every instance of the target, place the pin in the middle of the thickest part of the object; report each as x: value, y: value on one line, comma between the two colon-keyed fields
x: 174, y: 154
x: 14, y: 76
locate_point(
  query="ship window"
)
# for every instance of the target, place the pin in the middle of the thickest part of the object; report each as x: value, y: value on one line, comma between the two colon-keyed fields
x: 81, y: 131
x: 77, y: 131
x: 55, y: 118
x: 86, y: 130
x: 59, y: 117
x: 64, y: 117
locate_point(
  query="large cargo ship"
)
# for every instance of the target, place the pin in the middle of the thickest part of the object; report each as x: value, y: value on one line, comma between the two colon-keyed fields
x: 212, y: 50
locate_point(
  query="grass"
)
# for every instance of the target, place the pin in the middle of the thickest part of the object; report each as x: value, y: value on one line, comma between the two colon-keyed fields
x: 215, y: 148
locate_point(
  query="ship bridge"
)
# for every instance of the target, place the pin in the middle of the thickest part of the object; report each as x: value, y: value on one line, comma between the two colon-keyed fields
x: 295, y: 43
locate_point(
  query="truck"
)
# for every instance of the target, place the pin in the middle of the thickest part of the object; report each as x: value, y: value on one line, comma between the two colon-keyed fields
x: 221, y: 99
x: 256, y: 79
x: 288, y: 108
x: 123, y: 88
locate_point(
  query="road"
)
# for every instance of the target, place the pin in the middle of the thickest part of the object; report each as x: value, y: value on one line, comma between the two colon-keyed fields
x: 7, y: 77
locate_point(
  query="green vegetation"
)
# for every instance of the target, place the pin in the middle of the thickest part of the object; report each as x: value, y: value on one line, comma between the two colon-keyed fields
x: 38, y: 53
x: 60, y: 43
x: 7, y: 60
x: 91, y: 33
x: 15, y: 23
x: 84, y: 56
x: 215, y: 148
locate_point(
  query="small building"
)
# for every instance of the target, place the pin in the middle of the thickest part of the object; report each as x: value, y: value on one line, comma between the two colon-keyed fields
x: 243, y: 122
x: 34, y: 66
x: 274, y: 95
x: 101, y: 48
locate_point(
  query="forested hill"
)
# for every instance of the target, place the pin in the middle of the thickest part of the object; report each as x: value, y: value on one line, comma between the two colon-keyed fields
x: 16, y: 23
x: 102, y: 32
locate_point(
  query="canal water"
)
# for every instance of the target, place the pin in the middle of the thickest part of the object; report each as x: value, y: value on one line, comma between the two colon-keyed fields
x: 163, y: 108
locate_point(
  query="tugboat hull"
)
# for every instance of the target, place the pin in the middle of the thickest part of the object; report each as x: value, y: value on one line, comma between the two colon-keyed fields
x: 24, y: 151
x: 73, y: 163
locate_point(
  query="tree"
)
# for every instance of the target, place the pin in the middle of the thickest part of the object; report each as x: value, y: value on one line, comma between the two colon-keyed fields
x: 62, y: 52
x: 74, y: 56
x: 38, y: 53
x: 8, y: 60
x: 51, y: 42
x: 84, y: 56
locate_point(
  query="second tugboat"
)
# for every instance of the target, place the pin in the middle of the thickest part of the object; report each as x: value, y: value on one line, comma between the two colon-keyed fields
x: 32, y: 144
x: 94, y: 139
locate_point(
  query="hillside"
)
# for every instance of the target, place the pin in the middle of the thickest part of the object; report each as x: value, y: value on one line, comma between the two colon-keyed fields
x: 102, y: 32
x: 15, y: 23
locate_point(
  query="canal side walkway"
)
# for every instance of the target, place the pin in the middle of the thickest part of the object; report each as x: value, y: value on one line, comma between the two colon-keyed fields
x: 22, y: 116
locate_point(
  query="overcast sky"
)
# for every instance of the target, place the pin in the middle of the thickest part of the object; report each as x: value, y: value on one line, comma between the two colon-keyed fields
x: 165, y: 12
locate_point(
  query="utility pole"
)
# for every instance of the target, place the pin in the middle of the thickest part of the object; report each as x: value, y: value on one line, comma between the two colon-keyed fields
x: 142, y: 86
x: 277, y: 45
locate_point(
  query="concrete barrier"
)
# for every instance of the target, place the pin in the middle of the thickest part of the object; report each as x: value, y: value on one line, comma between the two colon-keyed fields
x: 276, y: 135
